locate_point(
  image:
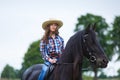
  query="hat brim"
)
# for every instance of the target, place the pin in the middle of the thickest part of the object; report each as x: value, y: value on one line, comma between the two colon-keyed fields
x: 46, y: 23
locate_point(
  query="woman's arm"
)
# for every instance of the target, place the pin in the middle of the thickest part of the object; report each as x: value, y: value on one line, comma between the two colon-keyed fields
x: 43, y: 50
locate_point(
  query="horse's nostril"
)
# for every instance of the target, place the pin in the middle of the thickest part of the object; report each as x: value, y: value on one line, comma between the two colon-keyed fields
x: 105, y: 61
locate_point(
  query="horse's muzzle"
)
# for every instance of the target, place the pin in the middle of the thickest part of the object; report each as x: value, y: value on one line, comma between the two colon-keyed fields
x: 102, y: 62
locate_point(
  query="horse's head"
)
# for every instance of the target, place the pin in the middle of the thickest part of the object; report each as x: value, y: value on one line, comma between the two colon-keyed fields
x: 93, y: 50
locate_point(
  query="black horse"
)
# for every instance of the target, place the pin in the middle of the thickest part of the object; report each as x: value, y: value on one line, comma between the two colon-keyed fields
x: 83, y: 43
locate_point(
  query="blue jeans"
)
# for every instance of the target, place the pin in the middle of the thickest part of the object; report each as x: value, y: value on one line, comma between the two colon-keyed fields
x: 45, y: 67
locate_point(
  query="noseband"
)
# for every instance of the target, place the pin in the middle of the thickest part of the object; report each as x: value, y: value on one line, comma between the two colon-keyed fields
x: 92, y: 58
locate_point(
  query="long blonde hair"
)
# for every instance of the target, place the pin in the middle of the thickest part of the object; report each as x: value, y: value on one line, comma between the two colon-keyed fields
x: 47, y: 33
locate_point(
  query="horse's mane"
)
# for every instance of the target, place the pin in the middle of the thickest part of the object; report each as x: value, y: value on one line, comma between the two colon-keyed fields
x: 71, y: 58
x: 73, y: 45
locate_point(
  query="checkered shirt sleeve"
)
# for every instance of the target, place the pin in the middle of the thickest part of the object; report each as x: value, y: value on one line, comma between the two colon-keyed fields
x: 43, y: 50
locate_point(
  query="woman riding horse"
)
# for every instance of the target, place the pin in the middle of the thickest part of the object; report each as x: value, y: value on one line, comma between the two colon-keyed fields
x: 83, y: 43
x: 51, y: 45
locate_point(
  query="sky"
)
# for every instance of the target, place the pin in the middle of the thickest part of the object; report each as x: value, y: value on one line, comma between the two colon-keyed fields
x: 21, y: 20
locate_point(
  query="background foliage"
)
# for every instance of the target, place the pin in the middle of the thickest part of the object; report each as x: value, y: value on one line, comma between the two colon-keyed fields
x: 9, y: 72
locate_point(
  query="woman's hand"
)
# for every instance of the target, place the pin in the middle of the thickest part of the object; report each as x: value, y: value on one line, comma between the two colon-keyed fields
x: 52, y: 60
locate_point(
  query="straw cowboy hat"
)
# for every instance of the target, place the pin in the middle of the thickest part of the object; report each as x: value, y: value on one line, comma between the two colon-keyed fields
x: 50, y: 21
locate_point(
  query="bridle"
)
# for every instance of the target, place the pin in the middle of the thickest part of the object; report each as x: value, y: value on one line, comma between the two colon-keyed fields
x: 91, y: 57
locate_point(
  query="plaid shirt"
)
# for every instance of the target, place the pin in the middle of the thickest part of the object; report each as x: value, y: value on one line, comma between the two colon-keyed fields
x: 55, y: 45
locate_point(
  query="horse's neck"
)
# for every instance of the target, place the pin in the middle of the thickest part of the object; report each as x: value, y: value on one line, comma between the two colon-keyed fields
x: 73, y: 55
x: 72, y: 52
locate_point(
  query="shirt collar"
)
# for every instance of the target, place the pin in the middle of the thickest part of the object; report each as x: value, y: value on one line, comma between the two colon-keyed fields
x: 56, y: 36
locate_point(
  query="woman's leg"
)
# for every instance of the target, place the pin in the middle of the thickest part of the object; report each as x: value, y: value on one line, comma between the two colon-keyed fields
x: 43, y: 71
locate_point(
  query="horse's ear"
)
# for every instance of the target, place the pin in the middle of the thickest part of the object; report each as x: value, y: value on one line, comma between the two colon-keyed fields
x: 88, y: 28
x: 94, y: 26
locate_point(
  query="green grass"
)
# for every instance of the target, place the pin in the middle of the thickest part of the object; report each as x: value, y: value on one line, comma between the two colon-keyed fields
x: 110, y: 79
x: 87, y: 78
x: 91, y: 78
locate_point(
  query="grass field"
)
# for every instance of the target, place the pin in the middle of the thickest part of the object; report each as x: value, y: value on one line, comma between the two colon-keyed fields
x: 111, y: 79
x: 91, y: 78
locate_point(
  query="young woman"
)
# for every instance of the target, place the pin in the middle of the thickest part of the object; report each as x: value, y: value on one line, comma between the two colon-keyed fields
x: 51, y: 45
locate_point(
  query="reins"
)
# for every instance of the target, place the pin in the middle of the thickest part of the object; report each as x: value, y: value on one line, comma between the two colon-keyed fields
x: 64, y: 63
x: 92, y: 57
x: 83, y: 69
